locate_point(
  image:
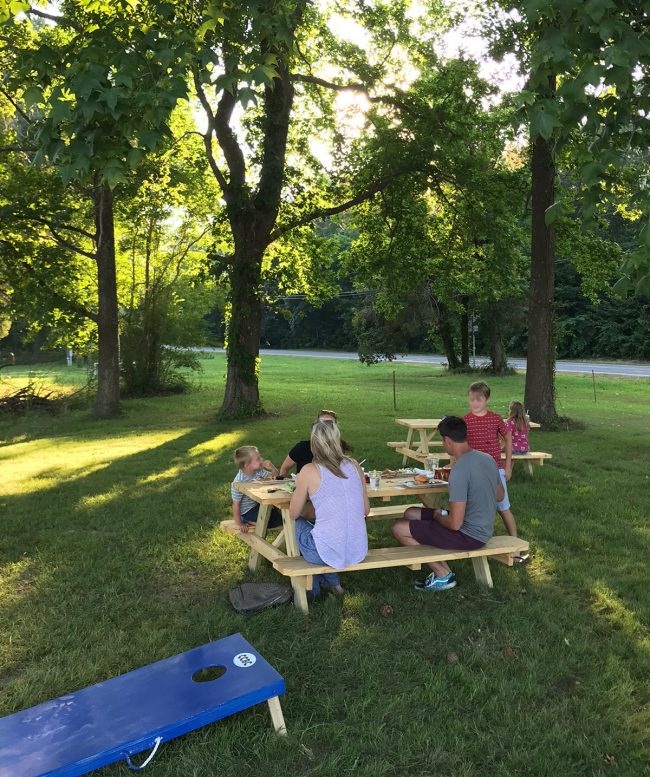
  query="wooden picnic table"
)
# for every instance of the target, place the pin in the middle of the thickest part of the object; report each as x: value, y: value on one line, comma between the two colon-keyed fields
x: 426, y: 429
x: 269, y: 494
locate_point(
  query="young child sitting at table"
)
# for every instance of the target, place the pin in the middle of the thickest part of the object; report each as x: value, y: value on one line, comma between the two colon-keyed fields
x: 517, y: 424
x: 251, y: 467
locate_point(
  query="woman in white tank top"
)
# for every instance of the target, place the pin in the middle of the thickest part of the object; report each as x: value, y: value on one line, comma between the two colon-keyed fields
x: 336, y: 487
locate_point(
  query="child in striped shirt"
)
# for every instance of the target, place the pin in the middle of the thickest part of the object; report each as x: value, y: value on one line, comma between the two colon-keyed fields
x: 251, y: 467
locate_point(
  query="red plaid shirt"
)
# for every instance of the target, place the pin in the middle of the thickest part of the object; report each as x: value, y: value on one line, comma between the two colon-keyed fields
x: 483, y: 433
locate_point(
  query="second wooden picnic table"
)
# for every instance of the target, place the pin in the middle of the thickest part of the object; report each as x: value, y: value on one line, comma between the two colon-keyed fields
x: 269, y: 494
x: 426, y: 428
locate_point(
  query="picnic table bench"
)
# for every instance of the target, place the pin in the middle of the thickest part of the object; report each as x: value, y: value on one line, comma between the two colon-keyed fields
x: 528, y: 459
x: 285, y: 557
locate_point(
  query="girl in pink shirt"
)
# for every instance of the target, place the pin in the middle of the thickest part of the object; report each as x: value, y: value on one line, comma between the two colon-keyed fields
x: 517, y: 423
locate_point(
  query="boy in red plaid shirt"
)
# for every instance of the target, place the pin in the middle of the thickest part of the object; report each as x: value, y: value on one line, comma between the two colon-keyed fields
x: 484, y: 432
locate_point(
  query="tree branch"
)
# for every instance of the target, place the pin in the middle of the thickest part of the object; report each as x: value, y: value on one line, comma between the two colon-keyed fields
x: 386, y: 99
x: 278, y: 101
x: 70, y: 246
x: 228, y: 140
x: 65, y: 303
x: 65, y: 227
x: 207, y: 138
x: 61, y: 20
x: 319, y: 213
x: 17, y: 107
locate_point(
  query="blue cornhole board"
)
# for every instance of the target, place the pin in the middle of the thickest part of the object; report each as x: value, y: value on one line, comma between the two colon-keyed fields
x: 74, y: 734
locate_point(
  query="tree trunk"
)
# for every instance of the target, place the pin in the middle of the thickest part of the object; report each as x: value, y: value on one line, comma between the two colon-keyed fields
x: 464, y: 332
x: 540, y: 372
x: 242, y: 396
x: 252, y: 220
x: 498, y: 356
x: 444, y: 329
x: 108, y: 372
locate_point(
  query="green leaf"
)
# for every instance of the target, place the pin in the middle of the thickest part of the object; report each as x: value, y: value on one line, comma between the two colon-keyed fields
x: 526, y: 97
x: 542, y: 124
x: 134, y: 157
x: 149, y: 139
x: 643, y: 286
x: 592, y: 172
x: 246, y: 95
x: 17, y: 7
x: 33, y: 96
x: 113, y: 172
x: 60, y: 111
x: 122, y: 78
x: 644, y: 235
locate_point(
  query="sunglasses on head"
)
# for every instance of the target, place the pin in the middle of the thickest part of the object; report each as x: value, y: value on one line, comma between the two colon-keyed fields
x: 327, y: 412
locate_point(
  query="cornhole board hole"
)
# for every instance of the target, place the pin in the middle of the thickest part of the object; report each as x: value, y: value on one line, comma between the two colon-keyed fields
x: 136, y: 712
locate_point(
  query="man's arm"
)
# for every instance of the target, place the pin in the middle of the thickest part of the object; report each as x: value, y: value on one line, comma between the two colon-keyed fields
x: 456, y: 516
x: 287, y: 465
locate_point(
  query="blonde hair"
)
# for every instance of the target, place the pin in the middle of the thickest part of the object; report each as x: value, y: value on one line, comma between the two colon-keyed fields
x: 481, y: 388
x: 244, y: 454
x: 517, y: 412
x: 326, y: 447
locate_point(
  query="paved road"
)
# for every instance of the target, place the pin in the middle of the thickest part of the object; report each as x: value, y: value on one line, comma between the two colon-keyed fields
x: 600, y: 368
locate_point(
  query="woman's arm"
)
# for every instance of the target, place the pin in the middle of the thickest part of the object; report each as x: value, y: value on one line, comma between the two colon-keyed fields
x: 366, y: 501
x: 287, y: 465
x: 301, y: 494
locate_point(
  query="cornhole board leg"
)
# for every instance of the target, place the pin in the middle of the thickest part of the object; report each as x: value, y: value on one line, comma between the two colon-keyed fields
x: 104, y: 723
x: 277, y: 718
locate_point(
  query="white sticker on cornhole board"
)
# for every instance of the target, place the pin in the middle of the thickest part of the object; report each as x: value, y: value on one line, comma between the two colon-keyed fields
x: 244, y: 660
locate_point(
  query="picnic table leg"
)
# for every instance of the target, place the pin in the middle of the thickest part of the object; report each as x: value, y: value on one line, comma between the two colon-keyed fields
x: 529, y: 467
x: 409, y: 437
x: 278, y: 542
x: 277, y: 718
x: 482, y: 571
x: 261, y: 525
x: 423, y: 446
x: 298, y: 583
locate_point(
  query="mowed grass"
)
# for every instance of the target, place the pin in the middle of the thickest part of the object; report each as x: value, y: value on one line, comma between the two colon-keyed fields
x: 111, y: 558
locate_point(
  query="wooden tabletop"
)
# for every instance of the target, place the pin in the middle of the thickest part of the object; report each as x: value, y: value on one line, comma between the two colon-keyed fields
x: 419, y: 423
x: 432, y: 423
x: 266, y: 492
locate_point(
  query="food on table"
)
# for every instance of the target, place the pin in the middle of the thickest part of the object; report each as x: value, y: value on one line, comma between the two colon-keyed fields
x: 421, y: 479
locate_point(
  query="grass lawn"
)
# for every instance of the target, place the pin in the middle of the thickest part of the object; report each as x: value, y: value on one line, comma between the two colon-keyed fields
x: 110, y: 558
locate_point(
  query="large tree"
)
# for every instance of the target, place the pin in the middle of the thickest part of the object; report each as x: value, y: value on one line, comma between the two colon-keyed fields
x: 96, y: 84
x: 435, y: 250
x: 285, y: 64
x: 588, y: 88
